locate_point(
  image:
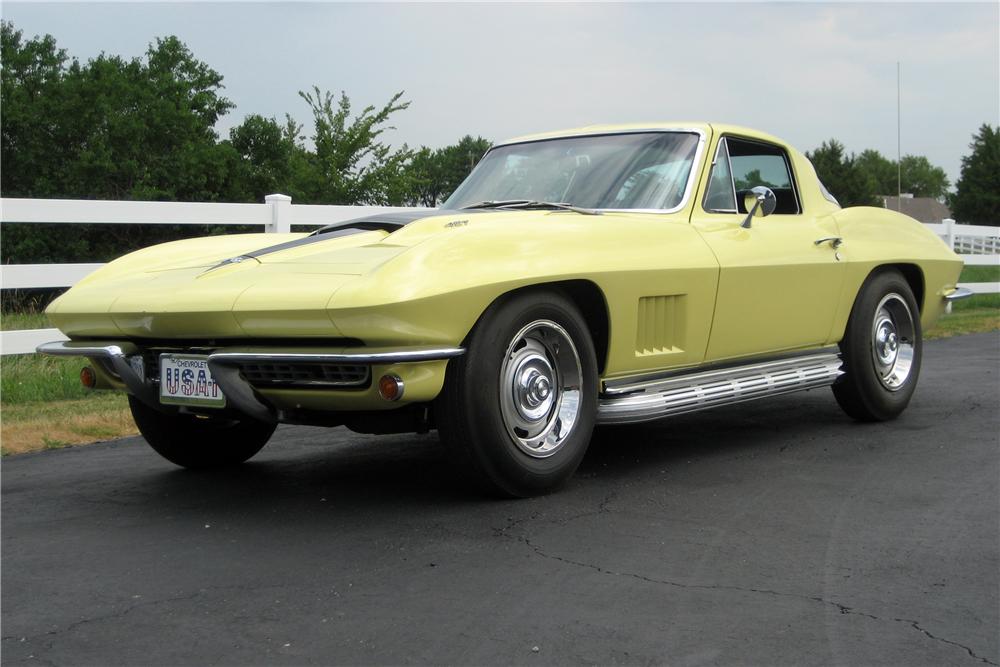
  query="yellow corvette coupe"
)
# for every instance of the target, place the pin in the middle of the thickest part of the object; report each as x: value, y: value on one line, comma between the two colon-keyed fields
x: 604, y: 275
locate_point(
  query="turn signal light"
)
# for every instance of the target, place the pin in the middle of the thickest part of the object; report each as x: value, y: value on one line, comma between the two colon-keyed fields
x: 390, y: 387
x: 88, y: 378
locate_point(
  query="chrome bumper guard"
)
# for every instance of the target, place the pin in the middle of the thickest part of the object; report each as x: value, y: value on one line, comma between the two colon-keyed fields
x: 225, y: 367
x: 116, y: 354
x: 957, y: 294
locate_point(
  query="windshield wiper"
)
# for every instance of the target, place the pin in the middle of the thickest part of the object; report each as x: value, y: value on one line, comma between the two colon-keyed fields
x: 489, y: 203
x: 531, y: 203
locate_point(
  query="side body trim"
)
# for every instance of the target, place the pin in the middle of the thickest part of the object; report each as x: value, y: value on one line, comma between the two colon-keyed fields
x: 251, y: 355
x: 650, y: 399
x: 636, y: 382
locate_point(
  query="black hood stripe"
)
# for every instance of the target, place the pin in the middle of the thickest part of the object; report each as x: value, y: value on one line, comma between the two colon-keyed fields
x: 390, y: 222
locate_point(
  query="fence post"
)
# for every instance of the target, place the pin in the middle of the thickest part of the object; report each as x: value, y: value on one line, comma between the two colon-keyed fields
x: 949, y: 232
x: 281, y: 214
x: 949, y: 238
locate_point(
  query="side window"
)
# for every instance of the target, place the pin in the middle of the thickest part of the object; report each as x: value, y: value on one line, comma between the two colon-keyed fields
x: 754, y: 163
x: 721, y: 197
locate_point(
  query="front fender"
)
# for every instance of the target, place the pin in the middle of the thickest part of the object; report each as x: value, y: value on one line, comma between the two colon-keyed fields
x: 436, y: 291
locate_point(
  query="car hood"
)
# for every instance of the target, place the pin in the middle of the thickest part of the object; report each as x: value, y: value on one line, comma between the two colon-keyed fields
x: 249, y: 284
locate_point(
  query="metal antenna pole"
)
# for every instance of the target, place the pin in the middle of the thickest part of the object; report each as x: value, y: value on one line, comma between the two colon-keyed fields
x: 899, y: 154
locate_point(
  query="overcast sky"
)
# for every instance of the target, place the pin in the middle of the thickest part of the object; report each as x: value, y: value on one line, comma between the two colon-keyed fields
x: 805, y: 72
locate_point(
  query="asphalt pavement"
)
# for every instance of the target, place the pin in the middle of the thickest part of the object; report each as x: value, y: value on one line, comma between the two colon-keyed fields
x: 771, y: 533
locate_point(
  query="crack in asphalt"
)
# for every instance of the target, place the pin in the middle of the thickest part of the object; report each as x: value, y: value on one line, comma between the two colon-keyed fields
x: 52, y: 634
x: 843, y: 609
x: 504, y: 532
x: 602, y: 508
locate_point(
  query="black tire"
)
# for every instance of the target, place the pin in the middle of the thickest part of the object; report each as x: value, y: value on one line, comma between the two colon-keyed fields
x: 478, y: 421
x: 884, y: 325
x: 199, y: 442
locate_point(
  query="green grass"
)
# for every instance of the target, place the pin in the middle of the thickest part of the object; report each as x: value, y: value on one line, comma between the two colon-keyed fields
x: 977, y: 314
x: 25, y: 378
x: 977, y: 302
x: 967, y: 321
x: 980, y: 274
x: 52, y: 443
x: 16, y: 321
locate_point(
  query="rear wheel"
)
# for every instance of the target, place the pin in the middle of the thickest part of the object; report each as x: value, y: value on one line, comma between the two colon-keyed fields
x: 882, y: 350
x: 518, y: 408
x: 192, y: 441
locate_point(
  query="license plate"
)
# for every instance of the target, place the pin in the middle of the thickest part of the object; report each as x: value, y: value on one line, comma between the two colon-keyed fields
x: 185, y: 379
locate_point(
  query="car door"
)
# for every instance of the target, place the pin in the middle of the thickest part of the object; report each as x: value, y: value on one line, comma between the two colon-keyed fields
x: 778, y: 288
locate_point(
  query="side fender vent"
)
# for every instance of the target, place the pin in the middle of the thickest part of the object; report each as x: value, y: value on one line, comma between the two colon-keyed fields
x: 658, y: 328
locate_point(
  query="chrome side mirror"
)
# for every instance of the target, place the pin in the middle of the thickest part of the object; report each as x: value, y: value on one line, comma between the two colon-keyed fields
x: 760, y: 202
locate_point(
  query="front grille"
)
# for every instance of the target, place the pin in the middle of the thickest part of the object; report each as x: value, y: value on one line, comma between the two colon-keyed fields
x: 330, y: 375
x: 151, y: 362
x: 271, y: 374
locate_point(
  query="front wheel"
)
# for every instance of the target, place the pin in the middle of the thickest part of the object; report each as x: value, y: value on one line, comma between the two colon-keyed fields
x: 882, y: 349
x: 192, y: 441
x: 518, y: 408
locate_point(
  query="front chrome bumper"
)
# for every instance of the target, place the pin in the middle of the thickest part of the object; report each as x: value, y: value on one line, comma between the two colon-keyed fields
x: 116, y: 354
x: 958, y: 293
x: 225, y: 366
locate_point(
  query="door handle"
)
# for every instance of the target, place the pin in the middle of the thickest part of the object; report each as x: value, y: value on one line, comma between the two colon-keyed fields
x: 834, y: 241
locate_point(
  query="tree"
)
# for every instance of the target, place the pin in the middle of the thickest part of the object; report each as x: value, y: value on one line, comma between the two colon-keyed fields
x: 922, y: 179
x: 30, y: 91
x: 841, y: 176
x: 423, y: 179
x: 918, y: 176
x: 351, y: 164
x: 879, y: 170
x: 433, y: 175
x: 977, y: 196
x: 106, y: 129
x: 269, y: 154
x: 110, y: 128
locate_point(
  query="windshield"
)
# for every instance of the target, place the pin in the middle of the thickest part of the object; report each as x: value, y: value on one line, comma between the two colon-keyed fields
x: 647, y: 170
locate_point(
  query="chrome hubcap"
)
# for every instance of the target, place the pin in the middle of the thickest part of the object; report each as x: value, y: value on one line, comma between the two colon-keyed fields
x: 540, y: 388
x: 893, y: 333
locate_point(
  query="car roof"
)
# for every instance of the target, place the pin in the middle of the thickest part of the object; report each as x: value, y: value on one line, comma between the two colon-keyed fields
x: 660, y: 126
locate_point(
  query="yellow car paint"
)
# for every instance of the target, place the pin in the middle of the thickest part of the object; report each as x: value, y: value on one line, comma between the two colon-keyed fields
x: 677, y: 289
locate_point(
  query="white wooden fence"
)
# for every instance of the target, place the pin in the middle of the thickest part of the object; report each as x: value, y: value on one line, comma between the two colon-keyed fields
x: 276, y: 214
x: 978, y: 245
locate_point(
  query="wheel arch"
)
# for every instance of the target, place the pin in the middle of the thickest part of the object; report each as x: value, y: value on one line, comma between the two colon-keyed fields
x: 586, y: 296
x: 913, y: 275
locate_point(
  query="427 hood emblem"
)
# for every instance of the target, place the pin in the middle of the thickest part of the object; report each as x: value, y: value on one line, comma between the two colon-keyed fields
x: 232, y: 260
